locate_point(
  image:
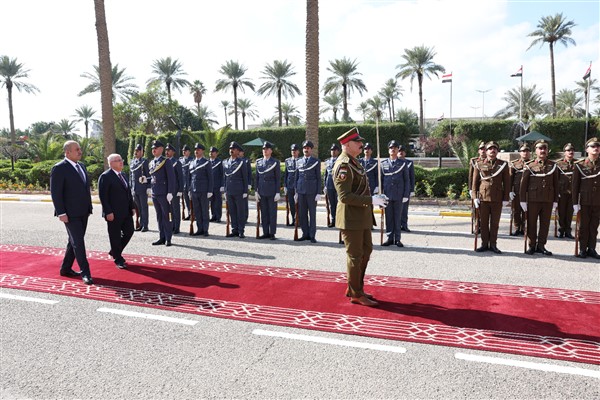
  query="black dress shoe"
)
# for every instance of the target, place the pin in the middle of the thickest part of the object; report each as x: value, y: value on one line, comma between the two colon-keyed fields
x: 70, y: 273
x: 264, y: 236
x: 212, y: 219
x: 198, y: 233
x: 530, y: 251
x: 399, y: 244
x: 313, y: 240
x: 542, y: 249
x: 515, y: 233
x: 331, y: 225
x: 495, y: 250
x: 121, y: 264
x: 242, y: 236
x: 158, y: 243
x: 175, y: 231
x: 186, y: 218
x: 388, y: 242
x: 144, y: 229
x: 405, y: 229
x: 582, y: 254
x: 302, y: 238
x: 482, y: 249
x: 205, y: 233
x: 568, y: 235
x: 272, y: 237
x: 561, y: 235
x: 592, y: 253
x: 87, y: 280
x: 168, y: 243
x: 138, y: 229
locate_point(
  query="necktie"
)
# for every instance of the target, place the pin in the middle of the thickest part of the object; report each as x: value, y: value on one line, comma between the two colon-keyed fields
x: 123, y: 180
x: 80, y: 171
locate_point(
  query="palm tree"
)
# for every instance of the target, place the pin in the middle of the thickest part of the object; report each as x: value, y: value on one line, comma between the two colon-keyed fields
x: 533, y: 105
x: 65, y: 127
x: 121, y: 85
x: 419, y: 63
x: 205, y: 116
x: 169, y: 72
x: 333, y: 100
x: 568, y: 104
x: 344, y: 78
x: 246, y: 109
x: 363, y: 109
x: 45, y: 147
x: 312, y: 72
x: 552, y: 29
x: 85, y: 114
x: 12, y: 72
x: 234, y: 72
x: 289, y: 112
x: 390, y: 92
x: 197, y: 89
x: 376, y: 106
x: 268, y: 122
x: 277, y: 82
x: 225, y: 105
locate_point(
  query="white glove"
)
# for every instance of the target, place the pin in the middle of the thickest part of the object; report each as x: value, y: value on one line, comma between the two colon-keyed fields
x: 554, y: 205
x: 245, y: 195
x: 412, y: 194
x: 179, y: 194
x: 143, y: 179
x: 471, y: 194
x: 505, y: 203
x: 149, y: 192
x: 222, y: 189
x: 209, y: 195
x: 476, y: 203
x: 318, y: 197
x: 376, y: 190
x: 249, y: 187
x: 277, y: 197
x: 296, y: 197
x: 257, y: 196
x: 285, y: 191
x: 511, y: 196
x: 325, y: 191
x: 523, y: 206
x: 405, y: 199
x: 380, y: 200
x: 576, y: 208
x: 169, y: 197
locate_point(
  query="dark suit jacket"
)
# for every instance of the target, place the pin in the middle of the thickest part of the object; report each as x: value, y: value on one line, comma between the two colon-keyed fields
x: 70, y: 195
x: 115, y: 197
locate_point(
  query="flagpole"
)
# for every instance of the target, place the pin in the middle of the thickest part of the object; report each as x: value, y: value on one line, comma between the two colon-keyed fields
x: 451, y: 82
x: 521, y: 97
x: 587, y: 104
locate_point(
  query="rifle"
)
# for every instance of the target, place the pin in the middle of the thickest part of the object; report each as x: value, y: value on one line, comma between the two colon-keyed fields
x: 257, y: 218
x: 380, y: 186
x: 525, y: 231
x: 476, y: 231
x: 577, y: 221
x: 287, y: 211
x: 137, y: 217
x: 227, y: 232
x: 340, y: 241
x: 472, y: 215
x: 556, y: 222
x: 512, y: 216
x: 296, y: 224
x: 328, y: 211
x: 182, y: 206
x: 192, y: 217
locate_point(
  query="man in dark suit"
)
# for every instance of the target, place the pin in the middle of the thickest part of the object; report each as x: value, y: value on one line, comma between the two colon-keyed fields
x: 70, y: 191
x: 117, y: 207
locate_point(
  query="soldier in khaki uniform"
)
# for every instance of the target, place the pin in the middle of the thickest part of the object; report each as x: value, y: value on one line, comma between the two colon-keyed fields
x: 516, y: 173
x: 565, y: 198
x: 354, y: 215
x: 539, y: 196
x: 480, y: 157
x: 491, y: 185
x: 586, y: 198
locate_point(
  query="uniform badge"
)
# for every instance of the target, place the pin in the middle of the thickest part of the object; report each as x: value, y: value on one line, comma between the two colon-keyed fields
x: 342, y: 174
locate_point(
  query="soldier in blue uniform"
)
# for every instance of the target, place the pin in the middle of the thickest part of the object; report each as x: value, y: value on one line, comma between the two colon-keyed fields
x: 185, y: 169
x: 329, y: 187
x: 308, y: 189
x: 216, y: 200
x: 175, y: 206
x: 370, y: 165
x: 163, y: 183
x: 140, y: 185
x: 235, y: 176
x: 268, y: 178
x: 411, y: 178
x: 396, y: 186
x: 289, y: 188
x: 201, y: 188
x: 249, y: 178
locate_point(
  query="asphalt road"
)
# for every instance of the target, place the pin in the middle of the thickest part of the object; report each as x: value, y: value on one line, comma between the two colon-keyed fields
x: 69, y: 349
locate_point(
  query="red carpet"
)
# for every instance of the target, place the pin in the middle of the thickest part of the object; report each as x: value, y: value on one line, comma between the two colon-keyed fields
x: 551, y: 323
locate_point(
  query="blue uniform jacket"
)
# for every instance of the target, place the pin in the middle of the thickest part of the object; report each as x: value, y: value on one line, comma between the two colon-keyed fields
x: 290, y: 173
x: 163, y: 176
x: 308, y: 176
x: 217, y: 172
x: 178, y: 175
x: 329, y: 185
x: 235, y: 176
x: 268, y: 176
x: 137, y: 169
x: 370, y: 166
x: 396, y: 183
x: 185, y: 169
x: 200, y: 176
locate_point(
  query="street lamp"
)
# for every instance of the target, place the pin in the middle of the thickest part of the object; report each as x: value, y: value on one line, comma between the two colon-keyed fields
x: 475, y: 108
x: 483, y: 92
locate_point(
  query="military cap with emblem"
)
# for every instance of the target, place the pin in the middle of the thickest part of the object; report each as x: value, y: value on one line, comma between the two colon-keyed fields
x: 492, y: 144
x: 213, y: 149
x: 138, y: 147
x: 294, y: 147
x: 393, y: 143
x: 351, y: 135
x: 235, y: 145
x: 307, y: 143
x: 481, y: 145
x: 199, y: 146
x: 568, y: 146
x: 185, y: 147
x: 524, y: 147
x: 540, y: 143
x: 401, y: 148
x: 368, y: 146
x: 267, y: 145
x: 169, y: 147
x: 334, y: 146
x: 592, y: 141
x: 157, y: 143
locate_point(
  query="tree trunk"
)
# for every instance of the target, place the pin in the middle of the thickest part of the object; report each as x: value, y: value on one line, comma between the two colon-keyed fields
x: 312, y: 73
x: 421, y: 124
x: 86, y: 128
x: 389, y: 101
x: 279, y: 105
x: 552, y: 80
x: 235, y: 106
x: 345, y: 113
x: 11, y: 116
x: 108, y: 119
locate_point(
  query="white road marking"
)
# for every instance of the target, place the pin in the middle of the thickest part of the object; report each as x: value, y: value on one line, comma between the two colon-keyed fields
x: 337, y: 342
x: 24, y: 298
x: 530, y: 365
x: 147, y: 316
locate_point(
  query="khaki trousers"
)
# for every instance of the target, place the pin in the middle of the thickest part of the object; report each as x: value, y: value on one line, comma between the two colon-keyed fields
x: 541, y: 211
x: 359, y: 246
x: 565, y: 212
x: 588, y: 227
x: 489, y: 214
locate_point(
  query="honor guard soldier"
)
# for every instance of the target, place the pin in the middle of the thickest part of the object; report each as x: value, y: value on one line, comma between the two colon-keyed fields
x: 370, y: 164
x: 289, y: 188
x: 480, y: 157
x: 329, y: 187
x: 491, y: 185
x: 396, y: 186
x: 539, y: 196
x: 586, y: 198
x: 235, y: 177
x: 354, y: 216
x: 216, y: 200
x: 411, y: 178
x: 516, y: 173
x: 268, y: 178
x: 249, y: 179
x: 140, y: 185
x: 565, y: 166
x: 185, y: 168
x: 308, y: 189
x: 175, y: 206
x: 201, y: 188
x: 164, y: 184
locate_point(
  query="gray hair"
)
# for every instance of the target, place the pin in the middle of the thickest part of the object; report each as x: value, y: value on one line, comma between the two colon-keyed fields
x: 113, y: 156
x: 67, y: 145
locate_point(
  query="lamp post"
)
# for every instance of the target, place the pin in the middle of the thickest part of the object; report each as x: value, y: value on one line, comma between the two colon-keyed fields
x: 475, y: 108
x: 483, y: 92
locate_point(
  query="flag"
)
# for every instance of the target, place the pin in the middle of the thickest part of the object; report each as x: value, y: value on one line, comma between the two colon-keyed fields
x: 447, y: 78
x: 441, y: 117
x: 588, y: 72
x: 518, y: 73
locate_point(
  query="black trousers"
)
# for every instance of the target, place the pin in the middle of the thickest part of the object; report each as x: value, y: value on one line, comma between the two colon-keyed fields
x: 120, y: 231
x: 76, y: 228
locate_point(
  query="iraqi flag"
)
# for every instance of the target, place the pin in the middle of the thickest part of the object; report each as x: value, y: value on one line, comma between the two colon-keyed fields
x: 447, y: 78
x: 518, y: 73
x: 588, y: 72
x: 441, y: 118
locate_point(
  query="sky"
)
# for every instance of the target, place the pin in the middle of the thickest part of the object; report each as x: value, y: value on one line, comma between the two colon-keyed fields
x: 480, y: 42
